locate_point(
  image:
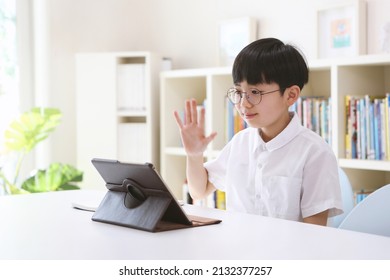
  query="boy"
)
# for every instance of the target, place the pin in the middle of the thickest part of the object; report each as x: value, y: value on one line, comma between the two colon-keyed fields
x: 275, y: 167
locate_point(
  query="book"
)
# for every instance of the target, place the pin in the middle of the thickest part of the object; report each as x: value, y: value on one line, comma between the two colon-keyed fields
x: 348, y: 127
x: 220, y: 199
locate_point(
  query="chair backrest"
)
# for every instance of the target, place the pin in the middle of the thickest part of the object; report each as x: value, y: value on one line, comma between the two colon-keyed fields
x: 372, y: 214
x: 347, y: 197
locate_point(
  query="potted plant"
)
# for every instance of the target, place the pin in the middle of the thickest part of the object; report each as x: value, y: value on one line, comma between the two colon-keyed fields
x: 20, y: 138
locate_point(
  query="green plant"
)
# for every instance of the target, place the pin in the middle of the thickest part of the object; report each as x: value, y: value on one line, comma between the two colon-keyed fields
x: 21, y: 137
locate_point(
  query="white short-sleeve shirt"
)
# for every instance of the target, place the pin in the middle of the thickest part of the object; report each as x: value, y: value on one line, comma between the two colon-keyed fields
x: 293, y: 176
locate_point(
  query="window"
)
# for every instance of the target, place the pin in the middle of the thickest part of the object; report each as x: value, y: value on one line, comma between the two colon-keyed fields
x: 9, y: 95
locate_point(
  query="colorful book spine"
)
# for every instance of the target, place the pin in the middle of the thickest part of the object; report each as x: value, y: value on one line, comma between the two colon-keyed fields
x: 367, y: 131
x: 348, y: 153
x: 314, y: 113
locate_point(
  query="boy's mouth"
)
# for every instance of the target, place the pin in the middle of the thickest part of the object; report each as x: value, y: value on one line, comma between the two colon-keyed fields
x: 248, y: 115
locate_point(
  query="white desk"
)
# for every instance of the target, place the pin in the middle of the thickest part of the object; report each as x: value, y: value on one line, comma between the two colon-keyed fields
x: 45, y: 226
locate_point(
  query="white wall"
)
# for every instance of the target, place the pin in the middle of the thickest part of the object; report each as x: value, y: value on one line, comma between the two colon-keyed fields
x: 185, y: 30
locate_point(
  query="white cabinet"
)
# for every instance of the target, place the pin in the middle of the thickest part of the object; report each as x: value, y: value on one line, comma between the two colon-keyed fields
x: 332, y: 79
x: 117, y: 109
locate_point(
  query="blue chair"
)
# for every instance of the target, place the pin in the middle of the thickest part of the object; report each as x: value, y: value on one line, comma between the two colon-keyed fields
x: 347, y: 197
x: 371, y: 215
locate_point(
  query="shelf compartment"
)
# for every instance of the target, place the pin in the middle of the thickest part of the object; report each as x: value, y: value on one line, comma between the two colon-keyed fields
x: 365, y: 164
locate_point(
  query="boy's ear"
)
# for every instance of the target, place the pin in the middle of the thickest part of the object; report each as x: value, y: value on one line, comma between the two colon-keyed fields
x: 292, y: 94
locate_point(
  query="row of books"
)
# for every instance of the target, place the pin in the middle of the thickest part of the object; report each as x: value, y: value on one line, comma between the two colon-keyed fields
x: 214, y: 200
x: 367, y: 127
x: 131, y: 94
x: 315, y: 114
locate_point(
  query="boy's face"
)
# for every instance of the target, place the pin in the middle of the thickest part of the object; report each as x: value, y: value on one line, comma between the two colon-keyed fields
x: 270, y: 113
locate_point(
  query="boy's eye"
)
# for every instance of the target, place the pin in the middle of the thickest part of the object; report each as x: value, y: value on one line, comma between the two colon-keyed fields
x: 255, y: 91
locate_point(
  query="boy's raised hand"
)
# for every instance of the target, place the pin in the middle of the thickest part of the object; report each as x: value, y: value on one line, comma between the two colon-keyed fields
x: 192, y: 129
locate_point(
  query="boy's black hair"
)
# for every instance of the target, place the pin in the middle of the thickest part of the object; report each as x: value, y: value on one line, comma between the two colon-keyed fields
x: 269, y: 60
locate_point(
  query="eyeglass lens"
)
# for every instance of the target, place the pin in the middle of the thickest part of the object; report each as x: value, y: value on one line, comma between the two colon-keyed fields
x: 253, y: 96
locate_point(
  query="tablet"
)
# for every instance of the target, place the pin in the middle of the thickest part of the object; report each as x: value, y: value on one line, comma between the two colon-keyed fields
x: 137, y: 197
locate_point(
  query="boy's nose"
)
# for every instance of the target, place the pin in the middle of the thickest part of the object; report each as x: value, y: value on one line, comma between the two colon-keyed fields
x: 244, y: 101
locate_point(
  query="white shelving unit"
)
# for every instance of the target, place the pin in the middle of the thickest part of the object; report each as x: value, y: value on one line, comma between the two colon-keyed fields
x: 358, y: 76
x: 104, y: 128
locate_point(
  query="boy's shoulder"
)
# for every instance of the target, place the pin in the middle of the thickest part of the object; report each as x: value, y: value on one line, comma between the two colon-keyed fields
x: 310, y: 137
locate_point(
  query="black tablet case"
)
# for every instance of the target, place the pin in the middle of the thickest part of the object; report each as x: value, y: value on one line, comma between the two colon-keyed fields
x: 137, y: 197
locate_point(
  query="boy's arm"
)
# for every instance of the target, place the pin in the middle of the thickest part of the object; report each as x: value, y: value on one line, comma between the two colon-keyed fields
x: 317, y: 219
x: 192, y: 132
x: 197, y: 177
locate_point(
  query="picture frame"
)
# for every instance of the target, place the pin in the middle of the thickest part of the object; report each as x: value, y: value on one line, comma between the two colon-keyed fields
x: 233, y: 36
x: 341, y: 29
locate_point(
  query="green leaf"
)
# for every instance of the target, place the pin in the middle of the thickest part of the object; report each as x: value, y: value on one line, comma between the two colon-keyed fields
x: 8, y: 187
x: 16, y: 190
x: 31, y: 128
x: 57, y: 177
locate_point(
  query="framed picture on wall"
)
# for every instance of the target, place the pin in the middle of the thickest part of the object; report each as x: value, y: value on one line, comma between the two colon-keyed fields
x: 233, y: 36
x: 341, y: 29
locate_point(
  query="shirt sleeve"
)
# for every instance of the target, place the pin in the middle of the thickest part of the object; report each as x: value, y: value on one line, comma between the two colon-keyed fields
x: 217, y: 167
x: 321, y: 185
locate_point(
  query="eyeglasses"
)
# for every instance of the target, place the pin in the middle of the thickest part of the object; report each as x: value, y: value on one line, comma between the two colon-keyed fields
x: 254, y: 96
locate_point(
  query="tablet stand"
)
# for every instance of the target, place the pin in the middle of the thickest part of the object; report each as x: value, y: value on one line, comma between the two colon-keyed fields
x: 131, y: 205
x: 138, y: 198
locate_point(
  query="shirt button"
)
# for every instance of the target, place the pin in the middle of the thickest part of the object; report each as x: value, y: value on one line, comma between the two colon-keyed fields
x: 258, y: 196
x: 259, y: 165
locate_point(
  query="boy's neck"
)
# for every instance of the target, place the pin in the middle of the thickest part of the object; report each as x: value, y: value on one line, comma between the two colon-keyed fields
x: 267, y: 134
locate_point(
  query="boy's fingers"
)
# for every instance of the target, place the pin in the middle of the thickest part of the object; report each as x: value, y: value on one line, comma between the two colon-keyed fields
x: 202, y: 118
x: 178, y: 119
x: 187, y: 113
x: 211, y: 137
x: 194, y: 111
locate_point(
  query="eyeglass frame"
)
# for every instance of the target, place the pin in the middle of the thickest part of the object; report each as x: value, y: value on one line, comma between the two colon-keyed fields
x: 247, y: 96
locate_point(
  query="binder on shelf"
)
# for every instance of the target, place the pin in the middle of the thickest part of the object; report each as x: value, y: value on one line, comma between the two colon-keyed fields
x: 138, y: 198
x: 131, y: 87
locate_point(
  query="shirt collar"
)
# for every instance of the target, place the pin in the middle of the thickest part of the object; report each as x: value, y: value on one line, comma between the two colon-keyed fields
x: 289, y: 133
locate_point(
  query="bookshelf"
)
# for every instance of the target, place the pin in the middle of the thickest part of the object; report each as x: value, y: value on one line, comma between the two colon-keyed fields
x: 117, y: 109
x: 330, y: 78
